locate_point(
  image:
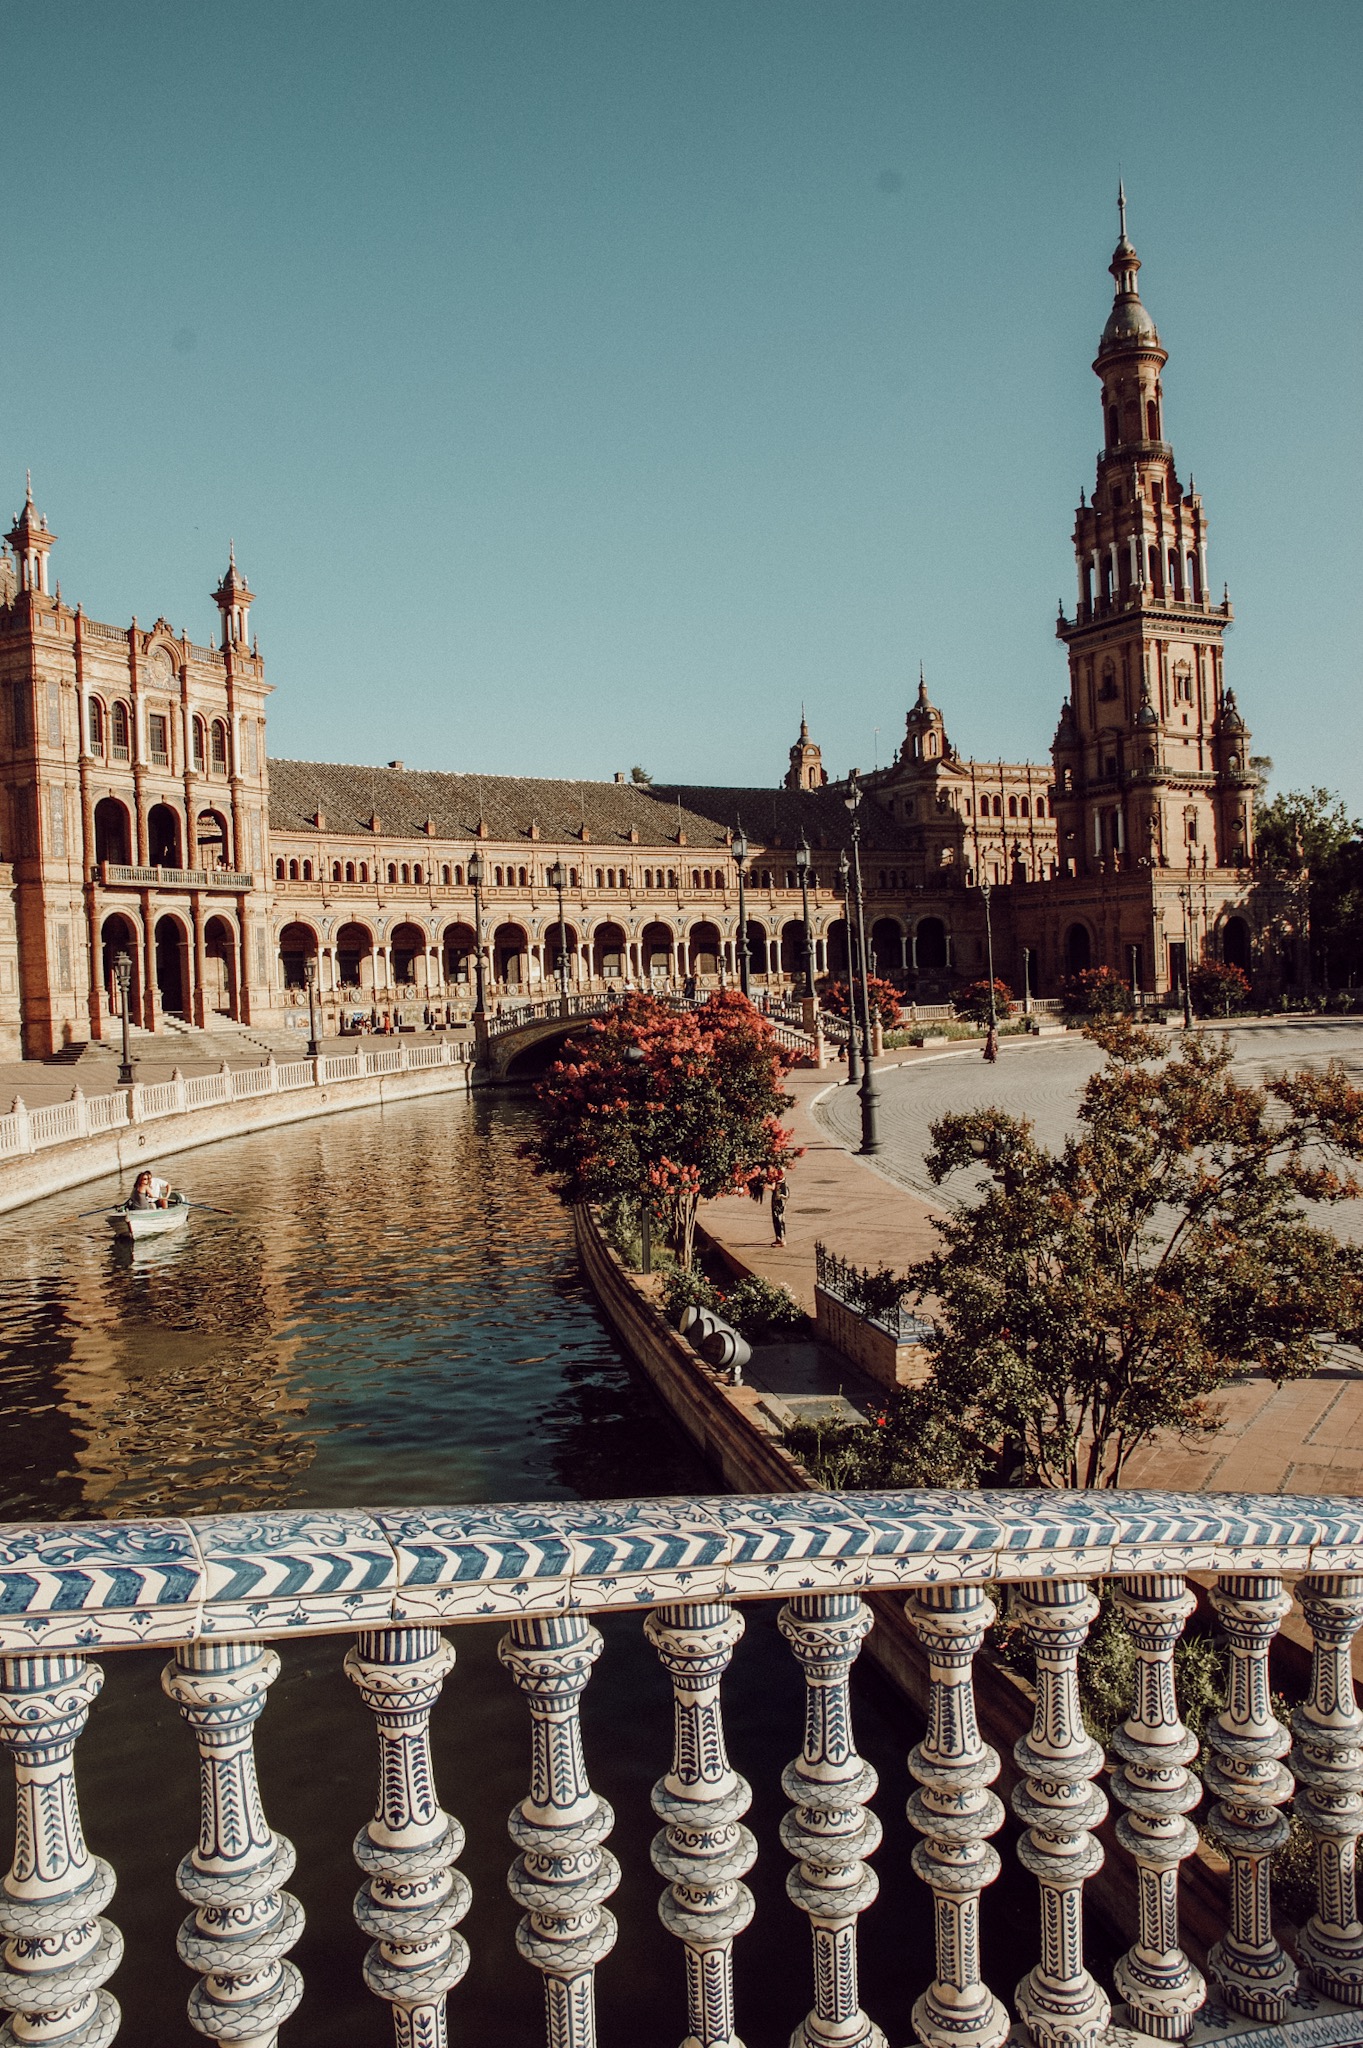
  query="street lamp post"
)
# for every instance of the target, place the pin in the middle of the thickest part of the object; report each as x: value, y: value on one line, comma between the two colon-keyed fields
x: 853, y: 1061
x: 870, y: 1136
x: 986, y: 891
x: 558, y: 879
x: 310, y: 977
x: 806, y: 941
x: 480, y: 993
x: 740, y: 850
x: 123, y: 975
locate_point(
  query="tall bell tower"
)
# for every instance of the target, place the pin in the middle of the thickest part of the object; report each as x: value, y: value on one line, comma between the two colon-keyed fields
x: 1151, y: 755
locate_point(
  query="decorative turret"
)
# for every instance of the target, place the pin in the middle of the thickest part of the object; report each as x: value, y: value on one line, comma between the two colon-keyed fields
x: 32, y: 544
x: 925, y: 733
x: 806, y: 770
x: 233, y: 598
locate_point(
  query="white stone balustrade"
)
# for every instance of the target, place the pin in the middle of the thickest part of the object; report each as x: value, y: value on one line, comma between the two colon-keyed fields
x: 217, y: 1593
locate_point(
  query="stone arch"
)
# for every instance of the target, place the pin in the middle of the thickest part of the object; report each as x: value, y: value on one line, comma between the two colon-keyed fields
x: 572, y: 940
x: 1078, y: 948
x: 1237, y: 944
x: 792, y: 948
x: 930, y: 946
x: 511, y: 955
x: 113, y: 832
x: 704, y: 949
x: 657, y: 943
x: 458, y: 943
x: 610, y: 951
x: 355, y: 957
x: 120, y: 933
x: 221, y: 978
x: 758, y: 943
x: 173, y: 979
x: 886, y: 943
x: 297, y: 945
x: 212, y: 839
x: 165, y: 837
x: 407, y: 946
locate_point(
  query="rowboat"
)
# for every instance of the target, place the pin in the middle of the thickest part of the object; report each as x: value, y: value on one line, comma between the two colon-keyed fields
x: 140, y: 1223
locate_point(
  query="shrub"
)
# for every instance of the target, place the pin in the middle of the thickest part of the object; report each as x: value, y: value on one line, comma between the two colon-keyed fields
x: 1096, y: 992
x: 760, y: 1308
x: 973, y: 1000
x: 1218, y: 989
x: 684, y: 1286
x: 882, y: 996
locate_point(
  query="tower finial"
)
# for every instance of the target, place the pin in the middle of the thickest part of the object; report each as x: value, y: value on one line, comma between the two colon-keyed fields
x: 28, y: 486
x: 1121, y: 208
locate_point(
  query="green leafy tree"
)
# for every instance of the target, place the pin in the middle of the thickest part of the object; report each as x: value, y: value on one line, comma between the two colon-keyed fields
x: 1309, y: 833
x: 882, y: 998
x: 665, y: 1106
x: 1097, y: 1296
x: 1096, y: 992
x: 973, y: 1000
x: 1219, y: 989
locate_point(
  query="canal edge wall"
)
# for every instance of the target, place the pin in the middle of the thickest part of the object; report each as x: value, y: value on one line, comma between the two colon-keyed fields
x: 130, y: 1147
x: 727, y: 1428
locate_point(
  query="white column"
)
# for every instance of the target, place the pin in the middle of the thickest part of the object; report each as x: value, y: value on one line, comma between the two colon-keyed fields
x: 827, y: 1829
x: 955, y: 1812
x: 413, y: 1897
x: 562, y: 1873
x: 1059, y: 2001
x: 702, y: 1850
x: 243, y: 1923
x: 1327, y: 1758
x: 58, y: 1950
x: 1245, y: 1775
x: 1153, y: 1783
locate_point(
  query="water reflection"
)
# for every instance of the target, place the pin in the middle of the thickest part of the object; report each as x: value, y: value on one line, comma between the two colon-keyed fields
x: 393, y: 1314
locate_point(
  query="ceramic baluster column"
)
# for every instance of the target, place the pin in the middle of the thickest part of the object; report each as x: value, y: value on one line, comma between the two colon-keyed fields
x: 827, y: 1829
x: 244, y: 1923
x: 703, y: 1850
x: 1155, y: 1977
x: 1243, y: 1771
x: 413, y: 1897
x: 1327, y: 1758
x: 57, y: 1949
x: 1059, y: 2001
x: 956, y: 1813
x: 562, y: 1873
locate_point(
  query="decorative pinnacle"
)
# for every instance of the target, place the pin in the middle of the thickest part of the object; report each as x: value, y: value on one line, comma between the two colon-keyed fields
x: 1121, y: 209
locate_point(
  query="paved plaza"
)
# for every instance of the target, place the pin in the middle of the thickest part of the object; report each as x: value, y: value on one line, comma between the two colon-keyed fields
x: 1042, y: 1080
x: 1306, y: 1437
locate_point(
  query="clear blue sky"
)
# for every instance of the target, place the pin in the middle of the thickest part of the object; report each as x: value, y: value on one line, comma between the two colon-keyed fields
x: 588, y: 384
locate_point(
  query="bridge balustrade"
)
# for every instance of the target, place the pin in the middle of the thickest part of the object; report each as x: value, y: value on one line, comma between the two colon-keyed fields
x: 218, y: 1593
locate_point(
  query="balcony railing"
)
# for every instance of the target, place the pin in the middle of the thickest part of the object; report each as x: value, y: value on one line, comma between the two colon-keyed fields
x: 217, y: 1593
x: 115, y: 875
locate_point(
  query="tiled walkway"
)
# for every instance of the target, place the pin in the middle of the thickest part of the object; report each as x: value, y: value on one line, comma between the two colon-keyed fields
x: 1305, y: 1437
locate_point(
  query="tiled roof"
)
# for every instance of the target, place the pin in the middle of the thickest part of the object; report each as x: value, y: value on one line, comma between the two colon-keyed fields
x: 782, y: 817
x: 404, y: 799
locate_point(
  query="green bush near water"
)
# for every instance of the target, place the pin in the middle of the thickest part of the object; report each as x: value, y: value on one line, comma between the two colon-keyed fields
x: 758, y: 1309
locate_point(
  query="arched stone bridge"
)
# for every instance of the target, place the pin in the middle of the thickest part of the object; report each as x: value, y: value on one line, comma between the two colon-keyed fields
x: 517, y: 1040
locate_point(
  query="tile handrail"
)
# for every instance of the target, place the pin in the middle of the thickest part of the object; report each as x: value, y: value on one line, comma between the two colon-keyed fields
x: 217, y: 1591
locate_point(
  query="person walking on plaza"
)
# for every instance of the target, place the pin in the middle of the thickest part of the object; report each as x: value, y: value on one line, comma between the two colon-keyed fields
x: 991, y: 1045
x: 779, y: 1194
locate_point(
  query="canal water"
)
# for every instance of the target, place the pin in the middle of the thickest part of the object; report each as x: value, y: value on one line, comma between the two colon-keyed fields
x: 391, y: 1313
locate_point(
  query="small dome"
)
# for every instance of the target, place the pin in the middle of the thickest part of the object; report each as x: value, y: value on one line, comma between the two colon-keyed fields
x: 1145, y: 716
x: 1230, y: 719
x: 1128, y: 322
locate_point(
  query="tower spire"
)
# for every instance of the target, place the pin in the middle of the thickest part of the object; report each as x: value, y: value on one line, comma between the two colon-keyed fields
x: 1121, y: 209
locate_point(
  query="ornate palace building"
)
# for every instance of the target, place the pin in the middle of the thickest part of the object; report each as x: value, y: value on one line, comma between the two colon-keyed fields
x: 141, y: 814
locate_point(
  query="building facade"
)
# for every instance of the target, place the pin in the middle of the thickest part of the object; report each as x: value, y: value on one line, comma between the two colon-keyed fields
x: 142, y: 815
